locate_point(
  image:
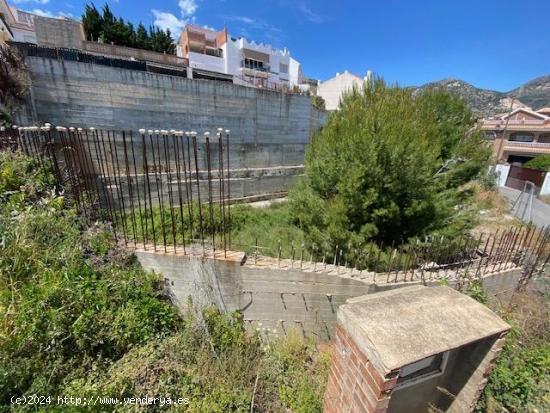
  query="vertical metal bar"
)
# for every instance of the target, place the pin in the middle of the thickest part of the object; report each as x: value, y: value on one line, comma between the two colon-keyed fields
x: 130, y: 188
x: 158, y: 179
x: 222, y: 190
x: 116, y: 173
x: 210, y: 201
x: 170, y: 191
x: 147, y: 187
x: 87, y: 149
x: 190, y: 187
x: 490, y: 257
x: 175, y: 136
x: 105, y: 183
x: 107, y: 176
x: 194, y: 137
x: 228, y: 188
x: 142, y: 224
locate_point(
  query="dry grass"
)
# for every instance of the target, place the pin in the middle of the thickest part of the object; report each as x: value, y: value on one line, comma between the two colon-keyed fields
x: 493, y: 211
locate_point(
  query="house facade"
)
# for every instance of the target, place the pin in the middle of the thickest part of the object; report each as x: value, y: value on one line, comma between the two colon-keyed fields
x: 519, y: 136
x: 19, y: 22
x: 250, y: 63
x: 333, y: 89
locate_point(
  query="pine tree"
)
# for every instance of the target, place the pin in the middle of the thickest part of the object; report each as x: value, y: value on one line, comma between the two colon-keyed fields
x: 388, y: 167
x: 143, y: 40
x: 92, y: 22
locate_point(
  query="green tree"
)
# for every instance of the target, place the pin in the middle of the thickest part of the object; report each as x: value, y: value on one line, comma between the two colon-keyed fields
x: 387, y: 167
x: 92, y: 22
x: 142, y: 37
x: 540, y: 162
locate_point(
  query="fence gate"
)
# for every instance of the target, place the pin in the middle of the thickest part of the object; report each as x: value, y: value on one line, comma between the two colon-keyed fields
x: 518, y: 175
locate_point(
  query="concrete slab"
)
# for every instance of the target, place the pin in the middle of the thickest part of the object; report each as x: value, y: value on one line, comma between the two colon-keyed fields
x: 398, y: 327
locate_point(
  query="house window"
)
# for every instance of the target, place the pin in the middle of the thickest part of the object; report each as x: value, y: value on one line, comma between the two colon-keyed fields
x: 283, y: 68
x: 490, y: 136
x: 254, y: 64
x: 421, y: 370
x: 521, y: 137
x: 544, y: 138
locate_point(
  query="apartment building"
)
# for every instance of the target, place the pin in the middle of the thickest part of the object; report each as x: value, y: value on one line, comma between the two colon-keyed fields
x: 251, y: 63
x: 20, y: 23
x: 520, y: 135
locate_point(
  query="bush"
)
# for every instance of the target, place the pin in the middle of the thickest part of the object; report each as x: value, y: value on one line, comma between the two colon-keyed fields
x: 387, y: 167
x: 81, y: 318
x: 540, y: 162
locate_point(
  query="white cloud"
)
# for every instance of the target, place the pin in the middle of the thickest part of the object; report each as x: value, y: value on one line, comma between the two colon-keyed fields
x: 30, y: 1
x: 47, y: 13
x: 187, y: 7
x: 166, y: 20
x: 40, y: 12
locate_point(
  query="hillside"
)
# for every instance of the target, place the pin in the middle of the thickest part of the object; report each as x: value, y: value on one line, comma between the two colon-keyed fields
x: 534, y: 94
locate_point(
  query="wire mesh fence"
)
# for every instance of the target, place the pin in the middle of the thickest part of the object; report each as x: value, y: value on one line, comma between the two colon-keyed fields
x: 170, y: 191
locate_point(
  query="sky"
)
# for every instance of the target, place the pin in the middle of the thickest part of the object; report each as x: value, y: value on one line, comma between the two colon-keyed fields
x: 495, y: 45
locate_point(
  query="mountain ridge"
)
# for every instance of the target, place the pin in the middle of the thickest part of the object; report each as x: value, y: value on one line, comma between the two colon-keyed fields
x: 533, y: 94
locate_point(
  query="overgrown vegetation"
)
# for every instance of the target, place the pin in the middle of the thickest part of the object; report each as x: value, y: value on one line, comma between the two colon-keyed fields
x: 12, y: 83
x: 388, y: 167
x: 520, y: 380
x: 81, y: 318
x: 110, y: 29
x: 540, y: 162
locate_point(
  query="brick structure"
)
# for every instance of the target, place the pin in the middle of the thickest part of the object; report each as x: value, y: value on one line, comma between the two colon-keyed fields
x: 354, y: 384
x: 410, y: 350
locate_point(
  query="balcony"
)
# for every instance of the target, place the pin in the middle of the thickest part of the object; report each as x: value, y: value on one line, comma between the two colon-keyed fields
x: 530, y: 147
x: 257, y: 66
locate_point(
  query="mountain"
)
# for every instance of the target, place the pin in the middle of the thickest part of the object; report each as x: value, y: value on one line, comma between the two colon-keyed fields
x: 534, y: 94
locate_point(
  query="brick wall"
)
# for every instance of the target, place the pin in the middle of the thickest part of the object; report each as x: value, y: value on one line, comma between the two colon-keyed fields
x: 354, y: 385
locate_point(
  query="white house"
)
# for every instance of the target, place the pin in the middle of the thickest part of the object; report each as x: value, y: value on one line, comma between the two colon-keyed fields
x: 20, y: 23
x: 333, y: 89
x: 248, y: 62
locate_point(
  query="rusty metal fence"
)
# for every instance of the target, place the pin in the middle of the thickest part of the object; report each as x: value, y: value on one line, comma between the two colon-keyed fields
x: 170, y: 191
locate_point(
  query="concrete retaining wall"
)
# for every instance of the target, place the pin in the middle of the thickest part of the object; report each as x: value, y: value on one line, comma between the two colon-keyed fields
x: 269, y: 129
x: 269, y: 298
x: 277, y: 298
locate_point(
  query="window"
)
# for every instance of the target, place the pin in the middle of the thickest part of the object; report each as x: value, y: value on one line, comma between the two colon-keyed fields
x: 421, y: 370
x: 521, y: 137
x: 490, y: 136
x: 283, y: 68
x: 254, y: 64
x: 544, y: 138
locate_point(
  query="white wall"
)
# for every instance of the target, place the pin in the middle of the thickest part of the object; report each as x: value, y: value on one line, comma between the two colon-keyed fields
x: 545, y: 189
x: 206, y: 62
x: 502, y: 174
x: 333, y: 89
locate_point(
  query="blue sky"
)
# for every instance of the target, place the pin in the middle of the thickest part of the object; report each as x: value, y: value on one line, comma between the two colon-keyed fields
x: 492, y: 44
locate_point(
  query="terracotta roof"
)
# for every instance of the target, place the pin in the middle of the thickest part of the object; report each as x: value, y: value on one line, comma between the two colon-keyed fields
x: 533, y: 113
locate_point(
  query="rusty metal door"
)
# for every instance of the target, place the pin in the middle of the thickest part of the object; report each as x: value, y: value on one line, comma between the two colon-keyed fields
x: 518, y: 175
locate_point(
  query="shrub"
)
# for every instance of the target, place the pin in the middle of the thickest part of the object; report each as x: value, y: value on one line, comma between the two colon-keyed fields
x: 540, y: 162
x: 387, y: 167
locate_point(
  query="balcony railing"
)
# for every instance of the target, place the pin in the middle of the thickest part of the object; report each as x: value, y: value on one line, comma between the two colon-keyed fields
x: 535, y: 143
x: 131, y: 53
x: 265, y: 68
